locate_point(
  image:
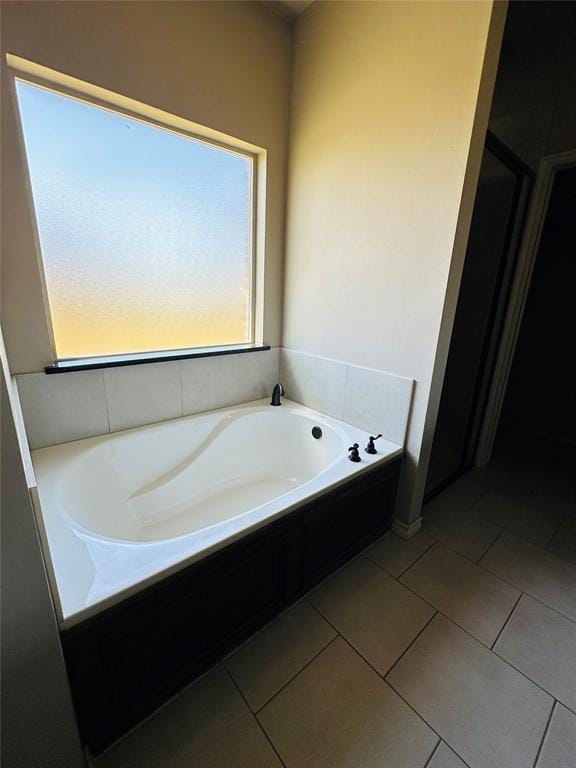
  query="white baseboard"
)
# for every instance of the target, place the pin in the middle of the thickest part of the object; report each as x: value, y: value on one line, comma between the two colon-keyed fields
x: 407, y: 530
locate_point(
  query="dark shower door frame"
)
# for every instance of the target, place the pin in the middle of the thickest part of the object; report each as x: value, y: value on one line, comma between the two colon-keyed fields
x: 499, y: 305
x: 504, y: 281
x: 526, y: 257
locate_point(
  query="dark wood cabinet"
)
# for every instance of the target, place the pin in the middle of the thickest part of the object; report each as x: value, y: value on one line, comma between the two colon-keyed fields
x: 129, y: 659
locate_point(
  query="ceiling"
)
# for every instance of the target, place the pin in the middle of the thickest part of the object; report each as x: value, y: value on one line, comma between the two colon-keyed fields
x: 288, y: 9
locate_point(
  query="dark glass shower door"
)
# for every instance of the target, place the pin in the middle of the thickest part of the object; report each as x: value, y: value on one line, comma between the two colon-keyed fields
x: 488, y: 269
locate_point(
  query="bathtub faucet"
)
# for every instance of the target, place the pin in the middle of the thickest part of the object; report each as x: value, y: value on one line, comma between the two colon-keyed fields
x: 276, y: 393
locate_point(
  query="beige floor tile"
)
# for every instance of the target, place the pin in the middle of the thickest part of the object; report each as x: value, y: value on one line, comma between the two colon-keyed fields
x: 517, y: 482
x: 376, y: 614
x: 529, y: 519
x: 559, y: 748
x: 558, y: 490
x: 535, y: 571
x: 460, y: 528
x: 519, y: 469
x: 542, y: 644
x: 564, y: 542
x: 395, y: 555
x: 444, y: 757
x: 268, y: 661
x: 489, y: 713
x: 208, y: 725
x: 338, y: 713
x: 468, y: 595
x: 463, y: 493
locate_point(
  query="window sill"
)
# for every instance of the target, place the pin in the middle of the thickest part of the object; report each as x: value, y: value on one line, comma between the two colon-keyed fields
x: 115, y: 361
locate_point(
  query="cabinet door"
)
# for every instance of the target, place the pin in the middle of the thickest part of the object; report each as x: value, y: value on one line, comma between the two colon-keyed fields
x: 344, y: 522
x: 126, y: 664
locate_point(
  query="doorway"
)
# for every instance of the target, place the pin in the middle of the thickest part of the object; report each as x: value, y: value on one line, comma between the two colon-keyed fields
x: 498, y: 217
x: 540, y: 400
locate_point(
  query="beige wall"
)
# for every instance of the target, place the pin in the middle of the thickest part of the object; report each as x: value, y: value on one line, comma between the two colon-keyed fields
x: 383, y: 109
x: 223, y: 65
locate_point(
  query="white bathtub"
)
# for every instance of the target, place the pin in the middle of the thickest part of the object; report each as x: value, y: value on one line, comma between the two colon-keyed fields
x: 118, y: 510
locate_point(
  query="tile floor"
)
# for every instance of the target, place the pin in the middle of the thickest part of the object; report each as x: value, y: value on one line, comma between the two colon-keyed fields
x: 456, y: 648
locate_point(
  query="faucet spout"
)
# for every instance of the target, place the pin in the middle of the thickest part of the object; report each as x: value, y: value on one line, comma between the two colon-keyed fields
x: 276, y: 394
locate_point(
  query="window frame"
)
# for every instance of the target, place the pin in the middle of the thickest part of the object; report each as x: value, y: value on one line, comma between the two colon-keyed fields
x: 69, y: 87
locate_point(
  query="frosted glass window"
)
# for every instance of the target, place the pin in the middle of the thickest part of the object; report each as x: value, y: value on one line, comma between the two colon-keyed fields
x: 145, y: 234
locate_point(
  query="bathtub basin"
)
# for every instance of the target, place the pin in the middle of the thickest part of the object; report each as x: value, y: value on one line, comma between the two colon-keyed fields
x: 118, y: 511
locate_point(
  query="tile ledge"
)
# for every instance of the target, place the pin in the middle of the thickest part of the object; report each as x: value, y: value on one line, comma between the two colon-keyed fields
x: 115, y: 361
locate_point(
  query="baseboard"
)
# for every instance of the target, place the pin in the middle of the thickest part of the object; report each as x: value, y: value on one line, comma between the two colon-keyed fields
x: 407, y: 530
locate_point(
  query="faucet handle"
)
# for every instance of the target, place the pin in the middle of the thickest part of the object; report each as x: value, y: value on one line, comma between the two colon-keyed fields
x: 370, y: 447
x: 354, y: 455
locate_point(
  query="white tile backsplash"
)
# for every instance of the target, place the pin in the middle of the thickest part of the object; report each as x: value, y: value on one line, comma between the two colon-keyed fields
x: 378, y: 402
x: 69, y: 406
x: 62, y: 407
x: 314, y: 381
x: 210, y: 382
x: 366, y: 398
x: 143, y: 394
x: 256, y: 378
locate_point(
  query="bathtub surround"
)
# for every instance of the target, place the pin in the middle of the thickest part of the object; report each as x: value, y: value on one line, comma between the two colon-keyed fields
x: 122, y: 511
x: 368, y: 399
x: 78, y: 404
x: 71, y: 406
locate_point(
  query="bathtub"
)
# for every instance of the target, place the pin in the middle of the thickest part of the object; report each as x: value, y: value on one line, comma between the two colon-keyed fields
x: 120, y: 511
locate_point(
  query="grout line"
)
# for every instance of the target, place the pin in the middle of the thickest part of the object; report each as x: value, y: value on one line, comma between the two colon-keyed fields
x: 432, y: 544
x: 259, y: 724
x: 556, y: 531
x: 550, y: 608
x: 294, y: 676
x: 346, y: 393
x: 448, y: 618
x: 106, y: 401
x: 382, y: 677
x: 506, y: 622
x: 181, y: 377
x: 452, y: 549
x: 520, y: 672
x: 529, y: 594
x: 405, y: 651
x: 452, y: 621
x: 488, y: 648
x: 434, y: 751
x: 429, y: 726
x: 546, y: 729
x: 490, y: 545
